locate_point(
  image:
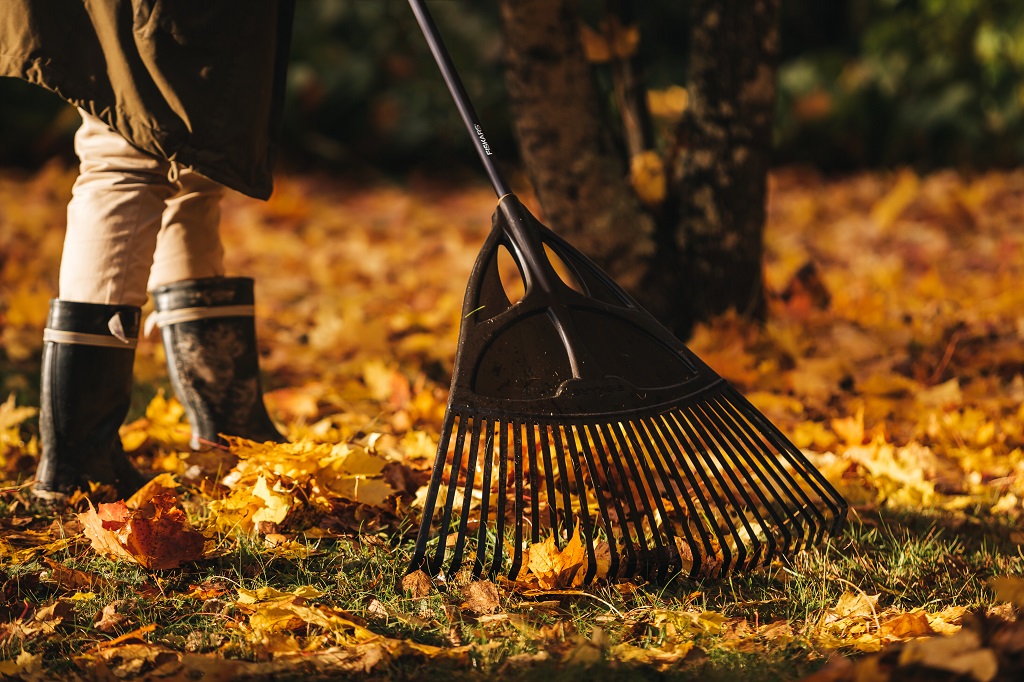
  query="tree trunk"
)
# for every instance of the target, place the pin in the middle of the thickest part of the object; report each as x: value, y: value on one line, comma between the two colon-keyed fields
x: 699, y: 253
x: 578, y: 176
x: 709, y: 259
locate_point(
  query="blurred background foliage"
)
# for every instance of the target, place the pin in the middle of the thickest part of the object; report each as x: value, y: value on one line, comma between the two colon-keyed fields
x: 861, y: 83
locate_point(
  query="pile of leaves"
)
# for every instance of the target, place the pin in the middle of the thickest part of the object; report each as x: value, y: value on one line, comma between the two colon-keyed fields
x: 892, y: 356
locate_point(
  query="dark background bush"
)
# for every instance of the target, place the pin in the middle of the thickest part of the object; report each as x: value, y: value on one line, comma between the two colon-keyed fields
x: 862, y: 83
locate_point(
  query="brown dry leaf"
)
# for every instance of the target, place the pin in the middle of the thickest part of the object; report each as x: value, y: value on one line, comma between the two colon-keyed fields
x: 587, y: 652
x: 133, y: 659
x: 417, y: 584
x: 481, y: 597
x: 70, y: 578
x: 686, y: 623
x: 49, y: 617
x: 271, y: 610
x: 855, y: 605
x: 948, y: 621
x: 158, y: 536
x: 113, y: 616
x: 661, y: 657
x: 852, y: 622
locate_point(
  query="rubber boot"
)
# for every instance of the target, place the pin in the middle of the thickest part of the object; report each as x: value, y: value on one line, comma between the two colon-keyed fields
x: 88, y: 352
x: 209, y: 336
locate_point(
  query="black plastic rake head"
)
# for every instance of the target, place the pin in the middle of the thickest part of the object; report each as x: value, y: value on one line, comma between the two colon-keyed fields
x: 574, y: 413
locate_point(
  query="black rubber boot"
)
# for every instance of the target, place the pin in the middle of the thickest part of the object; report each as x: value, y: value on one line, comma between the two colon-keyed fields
x: 88, y: 352
x: 209, y: 336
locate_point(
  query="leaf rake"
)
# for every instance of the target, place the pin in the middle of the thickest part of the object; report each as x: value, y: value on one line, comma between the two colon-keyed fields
x: 574, y: 412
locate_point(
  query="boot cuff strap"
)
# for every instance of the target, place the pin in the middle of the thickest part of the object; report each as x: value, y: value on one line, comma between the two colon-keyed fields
x: 165, y: 318
x: 80, y: 339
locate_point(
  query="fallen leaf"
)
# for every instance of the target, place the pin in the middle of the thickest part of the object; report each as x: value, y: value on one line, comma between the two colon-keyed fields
x: 417, y: 584
x: 481, y: 597
x: 157, y: 537
x: 906, y: 625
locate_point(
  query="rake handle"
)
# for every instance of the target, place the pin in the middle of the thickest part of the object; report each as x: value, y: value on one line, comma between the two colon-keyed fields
x: 458, y: 92
x: 536, y: 269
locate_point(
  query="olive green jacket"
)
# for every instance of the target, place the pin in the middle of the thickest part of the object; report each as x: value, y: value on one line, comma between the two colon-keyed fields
x: 198, y: 82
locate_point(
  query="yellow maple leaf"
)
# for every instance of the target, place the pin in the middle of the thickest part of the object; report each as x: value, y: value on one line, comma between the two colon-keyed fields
x: 276, y: 504
x: 850, y: 429
x: 164, y: 423
x: 647, y: 174
x: 273, y: 610
x: 670, y: 103
x: 555, y: 568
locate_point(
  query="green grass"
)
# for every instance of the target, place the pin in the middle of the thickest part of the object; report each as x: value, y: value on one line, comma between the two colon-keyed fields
x: 913, y: 560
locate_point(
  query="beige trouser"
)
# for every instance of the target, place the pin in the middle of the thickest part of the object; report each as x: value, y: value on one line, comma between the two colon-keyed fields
x: 135, y: 222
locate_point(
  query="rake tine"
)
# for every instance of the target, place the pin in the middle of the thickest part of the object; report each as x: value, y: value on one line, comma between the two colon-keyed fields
x: 499, y: 539
x: 755, y: 478
x: 531, y: 448
x: 719, y: 514
x: 549, y: 476
x: 517, y: 554
x: 485, y: 500
x: 619, y: 486
x: 825, y: 492
x: 647, y: 458
x: 467, y: 496
x: 747, y: 508
x: 453, y: 489
x: 673, y: 466
x: 585, y: 526
x: 648, y: 490
x: 671, y: 480
x: 419, y: 554
x: 641, y: 433
x: 773, y: 467
x: 814, y: 479
x: 599, y: 494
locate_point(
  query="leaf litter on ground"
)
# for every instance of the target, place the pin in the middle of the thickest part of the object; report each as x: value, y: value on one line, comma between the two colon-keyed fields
x: 893, y: 357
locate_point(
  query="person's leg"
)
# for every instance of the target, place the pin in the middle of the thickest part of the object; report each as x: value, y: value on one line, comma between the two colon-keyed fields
x: 114, y: 216
x: 206, y: 321
x: 89, y: 342
x: 188, y: 245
